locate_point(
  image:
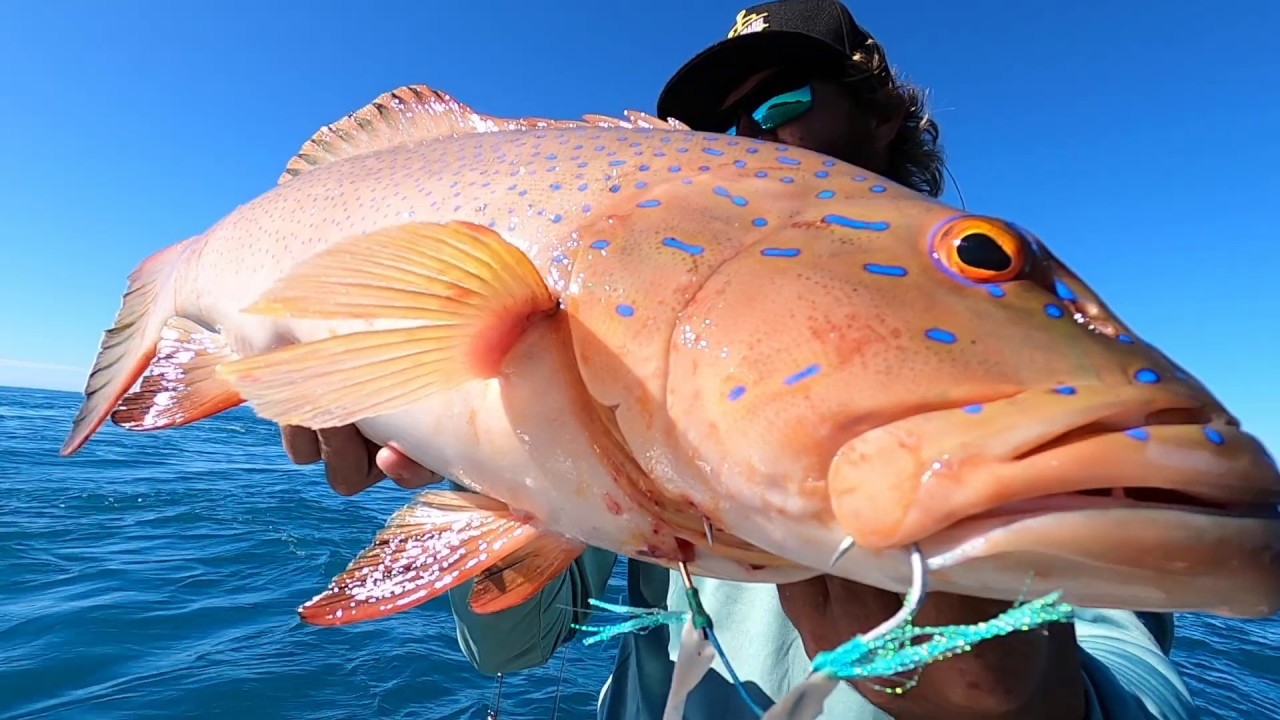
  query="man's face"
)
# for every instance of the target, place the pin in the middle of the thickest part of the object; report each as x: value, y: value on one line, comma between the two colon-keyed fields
x: 797, y: 109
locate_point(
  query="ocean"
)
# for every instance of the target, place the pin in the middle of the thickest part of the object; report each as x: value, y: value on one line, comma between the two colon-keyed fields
x: 156, y: 575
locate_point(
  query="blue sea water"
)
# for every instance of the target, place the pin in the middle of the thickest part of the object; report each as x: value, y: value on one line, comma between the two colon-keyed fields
x: 156, y: 575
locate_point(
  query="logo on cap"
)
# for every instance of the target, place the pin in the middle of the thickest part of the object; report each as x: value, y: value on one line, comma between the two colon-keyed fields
x: 744, y: 23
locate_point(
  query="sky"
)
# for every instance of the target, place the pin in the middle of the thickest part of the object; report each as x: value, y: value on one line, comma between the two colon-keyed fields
x: 1138, y: 142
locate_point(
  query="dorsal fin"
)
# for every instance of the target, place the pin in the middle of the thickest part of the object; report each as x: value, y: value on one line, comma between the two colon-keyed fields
x: 415, y: 113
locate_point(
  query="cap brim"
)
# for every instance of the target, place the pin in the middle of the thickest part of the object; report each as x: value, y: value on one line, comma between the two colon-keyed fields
x: 696, y: 92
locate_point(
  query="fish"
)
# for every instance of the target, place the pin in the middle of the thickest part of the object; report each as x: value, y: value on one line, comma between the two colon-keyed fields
x: 749, y: 360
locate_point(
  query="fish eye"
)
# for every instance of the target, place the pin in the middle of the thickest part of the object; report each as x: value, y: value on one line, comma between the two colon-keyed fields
x: 981, y: 250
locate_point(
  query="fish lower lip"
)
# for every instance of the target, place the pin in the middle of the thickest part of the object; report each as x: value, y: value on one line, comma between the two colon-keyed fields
x: 1125, y: 446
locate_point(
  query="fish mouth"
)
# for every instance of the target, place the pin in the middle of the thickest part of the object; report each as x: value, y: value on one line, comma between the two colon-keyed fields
x: 1154, y: 465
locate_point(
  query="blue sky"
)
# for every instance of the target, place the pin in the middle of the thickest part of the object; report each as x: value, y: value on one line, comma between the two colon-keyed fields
x: 1139, y: 143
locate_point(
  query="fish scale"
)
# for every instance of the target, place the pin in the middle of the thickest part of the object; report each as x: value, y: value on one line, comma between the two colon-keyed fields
x: 694, y: 348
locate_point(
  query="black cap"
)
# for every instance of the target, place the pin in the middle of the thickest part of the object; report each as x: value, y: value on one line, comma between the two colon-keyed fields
x: 804, y: 33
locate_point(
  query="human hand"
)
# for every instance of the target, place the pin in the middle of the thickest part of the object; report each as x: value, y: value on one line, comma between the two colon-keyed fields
x: 353, y: 463
x: 1032, y: 674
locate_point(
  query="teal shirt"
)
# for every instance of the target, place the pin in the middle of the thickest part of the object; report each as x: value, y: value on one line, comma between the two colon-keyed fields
x: 1128, y: 674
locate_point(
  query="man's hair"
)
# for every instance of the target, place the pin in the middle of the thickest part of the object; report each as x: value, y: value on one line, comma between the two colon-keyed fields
x: 915, y: 155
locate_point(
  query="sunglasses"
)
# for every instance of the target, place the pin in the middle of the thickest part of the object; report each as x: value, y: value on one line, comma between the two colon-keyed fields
x: 777, y: 111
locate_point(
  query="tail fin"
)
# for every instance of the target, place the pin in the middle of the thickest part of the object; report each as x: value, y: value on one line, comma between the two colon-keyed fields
x: 128, y: 347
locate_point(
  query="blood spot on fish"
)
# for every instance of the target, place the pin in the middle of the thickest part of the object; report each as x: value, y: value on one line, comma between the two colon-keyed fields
x: 890, y: 270
x: 780, y: 252
x: 688, y: 552
x: 1214, y: 436
x: 1053, y: 310
x: 940, y: 335
x: 625, y: 310
x: 802, y: 375
x: 1138, y: 434
x: 612, y: 505
x: 843, y: 221
x: 1147, y: 375
x: 737, y: 392
x: 682, y: 246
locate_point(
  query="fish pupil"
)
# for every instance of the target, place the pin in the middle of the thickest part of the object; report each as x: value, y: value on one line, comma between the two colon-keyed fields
x: 981, y: 251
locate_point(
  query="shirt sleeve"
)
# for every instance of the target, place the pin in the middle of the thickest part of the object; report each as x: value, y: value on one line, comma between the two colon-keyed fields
x: 528, y: 634
x: 1128, y: 673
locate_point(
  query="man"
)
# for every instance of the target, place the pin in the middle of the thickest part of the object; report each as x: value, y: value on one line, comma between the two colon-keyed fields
x: 804, y: 73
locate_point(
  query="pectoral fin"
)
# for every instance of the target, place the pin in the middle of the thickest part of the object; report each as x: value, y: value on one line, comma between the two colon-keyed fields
x: 466, y: 293
x: 434, y: 543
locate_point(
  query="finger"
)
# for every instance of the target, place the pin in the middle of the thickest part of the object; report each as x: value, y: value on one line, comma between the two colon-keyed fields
x: 302, y: 445
x: 348, y: 457
x: 402, y: 470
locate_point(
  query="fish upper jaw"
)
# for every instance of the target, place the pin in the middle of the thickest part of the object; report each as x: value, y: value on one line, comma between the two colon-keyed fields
x: 904, y: 481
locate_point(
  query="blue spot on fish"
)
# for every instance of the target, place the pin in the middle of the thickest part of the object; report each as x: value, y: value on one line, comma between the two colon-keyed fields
x: 626, y: 310
x: 644, y: 168
x: 891, y: 270
x: 1138, y: 434
x: 940, y: 335
x: 1125, y: 338
x: 615, y: 188
x: 759, y: 222
x: 600, y: 244
x: 674, y: 168
x: 1065, y: 390
x: 1147, y: 375
x: 855, y: 224
x: 648, y: 203
x: 582, y: 187
x: 713, y: 151
x: 973, y: 409
x: 641, y: 185
x: 1214, y: 436
x: 556, y: 218
x: 802, y: 375
x: 737, y: 392
x: 821, y: 174
x: 877, y: 188
x: 753, y: 150
x: 682, y: 246
x: 1064, y: 292
x: 995, y: 291
x: 761, y: 174
x: 828, y: 163
x: 780, y: 252
x: 555, y: 186
x: 1053, y: 310
x: 740, y: 163
x: 616, y: 163
x: 826, y: 194
x: 739, y: 201
x: 788, y: 179
x: 787, y: 160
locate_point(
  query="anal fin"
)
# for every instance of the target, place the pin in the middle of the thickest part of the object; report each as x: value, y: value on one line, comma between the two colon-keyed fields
x: 181, y: 385
x: 522, y: 574
x: 441, y: 539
